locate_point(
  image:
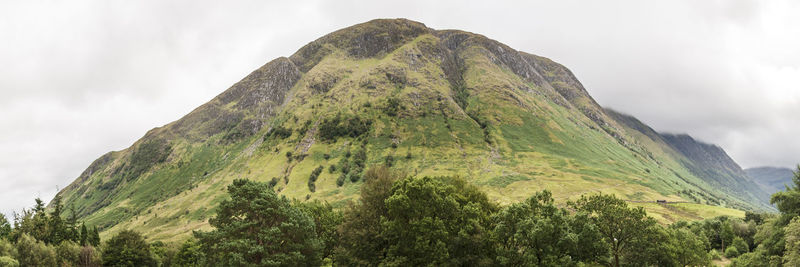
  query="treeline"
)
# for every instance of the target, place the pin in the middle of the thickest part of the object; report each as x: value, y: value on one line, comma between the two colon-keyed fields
x: 439, y: 221
x: 39, y: 238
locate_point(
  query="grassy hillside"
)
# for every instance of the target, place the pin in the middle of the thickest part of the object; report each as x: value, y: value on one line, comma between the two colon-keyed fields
x: 392, y: 92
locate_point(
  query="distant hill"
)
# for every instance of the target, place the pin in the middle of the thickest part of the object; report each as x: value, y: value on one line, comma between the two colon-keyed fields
x: 771, y: 179
x: 424, y: 101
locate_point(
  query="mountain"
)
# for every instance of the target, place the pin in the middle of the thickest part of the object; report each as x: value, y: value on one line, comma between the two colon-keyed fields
x: 771, y: 179
x: 424, y: 101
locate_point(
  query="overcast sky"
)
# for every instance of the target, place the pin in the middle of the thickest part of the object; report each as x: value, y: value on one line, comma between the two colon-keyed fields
x: 81, y: 78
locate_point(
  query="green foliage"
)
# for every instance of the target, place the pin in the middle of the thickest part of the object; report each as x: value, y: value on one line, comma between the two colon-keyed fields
x: 190, y: 254
x: 685, y: 248
x: 741, y: 245
x: 792, y: 242
x: 362, y: 241
x: 619, y: 225
x: 281, y: 132
x: 313, y: 178
x: 127, y: 248
x: 31, y: 252
x: 537, y: 233
x: 439, y: 221
x: 5, y: 227
x: 336, y: 127
x: 7, y: 261
x: 392, y: 106
x: 731, y: 252
x: 326, y: 220
x: 68, y: 253
x: 256, y: 227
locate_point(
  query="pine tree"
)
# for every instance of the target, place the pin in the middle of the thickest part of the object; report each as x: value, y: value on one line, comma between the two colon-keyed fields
x: 84, y: 235
x: 94, y: 237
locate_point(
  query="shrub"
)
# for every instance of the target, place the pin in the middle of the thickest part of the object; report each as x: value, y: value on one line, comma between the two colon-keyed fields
x: 273, y: 182
x: 313, y: 178
x: 332, y: 168
x: 281, y: 132
x: 714, y: 254
x: 389, y: 161
x: 731, y: 252
x: 341, y: 179
x: 326, y: 156
x: 392, y: 106
x: 330, y: 129
x: 354, y: 177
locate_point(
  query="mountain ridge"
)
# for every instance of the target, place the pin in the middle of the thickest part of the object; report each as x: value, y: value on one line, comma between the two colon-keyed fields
x: 771, y: 179
x: 392, y: 91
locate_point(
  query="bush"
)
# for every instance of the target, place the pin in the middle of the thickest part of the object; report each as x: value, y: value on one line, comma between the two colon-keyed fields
x: 392, y: 107
x: 332, y: 168
x: 389, y: 161
x: 313, y: 178
x: 714, y: 254
x: 731, y: 252
x: 341, y: 179
x: 273, y: 182
x: 354, y: 177
x: 330, y: 129
x: 741, y: 245
x: 281, y: 132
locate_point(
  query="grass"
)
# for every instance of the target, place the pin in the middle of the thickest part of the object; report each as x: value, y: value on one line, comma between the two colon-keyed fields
x: 529, y: 143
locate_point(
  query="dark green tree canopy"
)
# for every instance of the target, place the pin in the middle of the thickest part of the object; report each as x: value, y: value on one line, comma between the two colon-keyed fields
x: 256, y: 227
x: 127, y: 248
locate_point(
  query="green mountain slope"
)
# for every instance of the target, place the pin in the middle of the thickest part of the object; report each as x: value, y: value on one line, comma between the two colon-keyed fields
x: 425, y: 101
x: 771, y: 179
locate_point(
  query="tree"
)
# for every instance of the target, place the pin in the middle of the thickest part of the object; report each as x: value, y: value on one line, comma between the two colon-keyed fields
x: 84, y: 235
x: 325, y: 220
x: 94, y: 237
x: 788, y: 201
x: 58, y: 230
x: 5, y: 227
x: 792, y: 255
x: 362, y: 241
x: 31, y: 252
x: 256, y: 227
x: 127, y: 248
x: 190, y: 254
x: 68, y: 253
x: 619, y: 225
x: 687, y: 248
x: 537, y: 233
x: 437, y: 221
